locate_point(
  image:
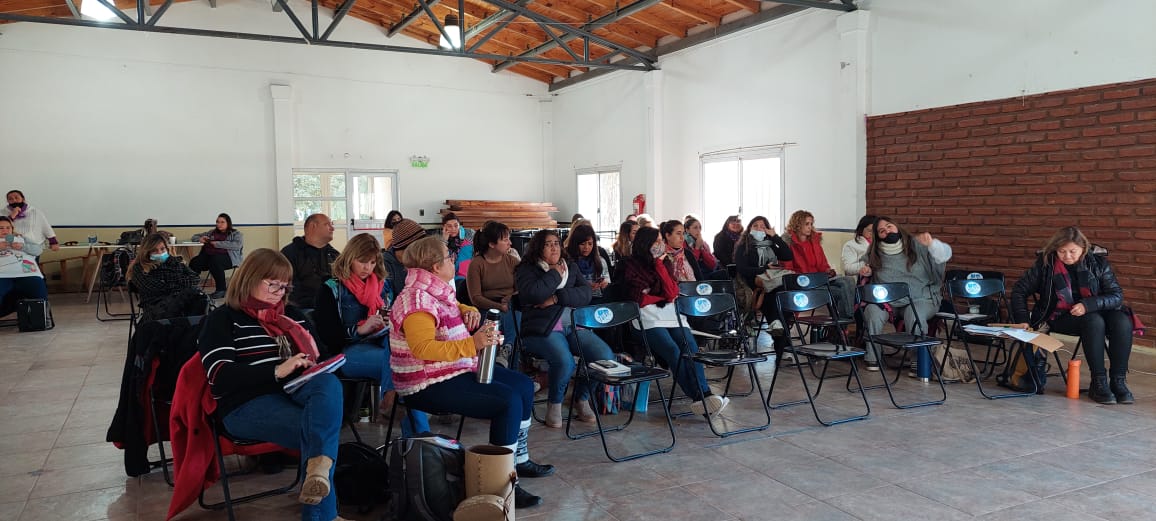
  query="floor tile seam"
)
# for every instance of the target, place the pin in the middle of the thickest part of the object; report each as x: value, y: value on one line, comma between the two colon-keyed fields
x: 1102, y: 482
x: 133, y: 510
x: 936, y: 501
x: 843, y: 510
x: 601, y: 502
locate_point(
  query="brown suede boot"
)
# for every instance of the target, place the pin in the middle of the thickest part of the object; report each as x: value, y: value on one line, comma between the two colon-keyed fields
x: 316, y: 485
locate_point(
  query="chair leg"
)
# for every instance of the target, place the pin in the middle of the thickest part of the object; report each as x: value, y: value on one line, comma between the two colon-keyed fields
x: 979, y: 381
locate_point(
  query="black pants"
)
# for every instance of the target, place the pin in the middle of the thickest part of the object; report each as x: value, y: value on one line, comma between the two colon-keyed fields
x: 215, y: 264
x: 1093, y: 328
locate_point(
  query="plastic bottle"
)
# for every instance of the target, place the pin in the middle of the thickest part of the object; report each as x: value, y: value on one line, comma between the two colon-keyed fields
x: 1073, y: 379
x: 490, y: 353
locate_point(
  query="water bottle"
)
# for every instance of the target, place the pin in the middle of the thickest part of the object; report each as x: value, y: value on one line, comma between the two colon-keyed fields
x: 490, y: 353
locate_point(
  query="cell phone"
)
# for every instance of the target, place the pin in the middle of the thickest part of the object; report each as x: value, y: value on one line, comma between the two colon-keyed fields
x: 606, y: 363
x: 383, y: 312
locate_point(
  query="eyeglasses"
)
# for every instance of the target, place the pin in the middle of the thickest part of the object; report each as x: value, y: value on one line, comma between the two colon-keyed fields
x: 277, y: 287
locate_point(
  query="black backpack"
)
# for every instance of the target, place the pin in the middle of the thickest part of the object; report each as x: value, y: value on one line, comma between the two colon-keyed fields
x: 33, y: 314
x: 426, y: 480
x: 361, y: 476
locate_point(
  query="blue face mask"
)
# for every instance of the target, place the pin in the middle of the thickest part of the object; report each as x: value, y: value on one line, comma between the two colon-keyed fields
x: 758, y: 235
x: 160, y: 257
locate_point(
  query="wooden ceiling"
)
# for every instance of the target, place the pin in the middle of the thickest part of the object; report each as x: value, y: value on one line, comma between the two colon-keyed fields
x: 663, y: 22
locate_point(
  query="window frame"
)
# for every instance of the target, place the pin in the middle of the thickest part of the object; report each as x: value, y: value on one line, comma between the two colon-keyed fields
x: 747, y: 154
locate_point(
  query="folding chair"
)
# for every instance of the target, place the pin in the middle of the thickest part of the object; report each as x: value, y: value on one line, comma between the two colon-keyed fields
x: 813, y: 323
x: 728, y: 332
x: 605, y: 316
x: 110, y: 278
x: 974, y: 291
x: 225, y: 445
x: 355, y: 400
x: 880, y: 294
x: 393, y: 415
x: 160, y: 398
x: 710, y: 306
x: 801, y: 302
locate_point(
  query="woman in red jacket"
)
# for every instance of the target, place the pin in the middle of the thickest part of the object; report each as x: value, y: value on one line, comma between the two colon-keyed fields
x: 808, y: 257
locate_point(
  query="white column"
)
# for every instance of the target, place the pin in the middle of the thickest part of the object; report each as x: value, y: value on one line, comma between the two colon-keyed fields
x: 283, y: 154
x: 549, y: 176
x: 653, y: 85
x: 853, y: 96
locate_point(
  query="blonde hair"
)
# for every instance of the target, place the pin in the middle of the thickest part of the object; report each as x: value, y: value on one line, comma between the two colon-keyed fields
x: 795, y: 223
x: 362, y: 247
x: 425, y: 253
x: 259, y: 265
x: 147, y: 246
x: 1067, y: 234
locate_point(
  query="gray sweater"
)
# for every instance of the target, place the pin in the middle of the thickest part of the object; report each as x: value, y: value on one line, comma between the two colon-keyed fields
x: 925, y: 276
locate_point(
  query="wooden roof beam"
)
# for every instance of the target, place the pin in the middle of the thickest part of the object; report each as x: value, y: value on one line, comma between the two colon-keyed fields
x: 748, y: 5
x: 685, y: 9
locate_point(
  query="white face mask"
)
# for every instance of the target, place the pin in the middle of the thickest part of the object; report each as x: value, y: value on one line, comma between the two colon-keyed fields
x: 758, y: 235
x: 657, y: 249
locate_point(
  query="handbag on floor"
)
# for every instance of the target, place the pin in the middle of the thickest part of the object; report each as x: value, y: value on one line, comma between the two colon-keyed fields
x: 34, y: 314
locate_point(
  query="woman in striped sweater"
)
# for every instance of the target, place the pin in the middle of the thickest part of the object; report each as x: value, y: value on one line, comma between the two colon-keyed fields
x: 253, y: 345
x: 434, y: 359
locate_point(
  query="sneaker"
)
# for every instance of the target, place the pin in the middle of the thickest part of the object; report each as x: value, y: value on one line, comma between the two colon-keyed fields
x: 777, y: 328
x: 872, y: 366
x: 913, y: 369
x: 714, y: 404
x: 523, y: 499
x: 529, y: 469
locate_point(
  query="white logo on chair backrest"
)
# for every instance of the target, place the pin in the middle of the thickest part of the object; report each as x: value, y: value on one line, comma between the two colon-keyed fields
x: 704, y: 289
x: 975, y: 275
x: 880, y: 293
x: 801, y: 300
x: 803, y: 281
x: 702, y: 305
x: 971, y: 287
x: 603, y: 315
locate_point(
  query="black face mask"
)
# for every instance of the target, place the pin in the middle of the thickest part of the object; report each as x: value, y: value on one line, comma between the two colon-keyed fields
x: 18, y: 205
x: 891, y: 238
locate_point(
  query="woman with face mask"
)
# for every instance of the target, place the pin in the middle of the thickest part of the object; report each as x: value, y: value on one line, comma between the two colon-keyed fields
x: 1077, y: 294
x: 30, y: 223
x: 759, y: 253
x: 855, y: 250
x: 160, y: 277
x: 650, y: 281
x: 896, y: 256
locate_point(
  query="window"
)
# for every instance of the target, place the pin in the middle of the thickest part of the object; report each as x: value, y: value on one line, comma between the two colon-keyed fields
x: 599, y: 198
x: 747, y: 182
x: 343, y: 195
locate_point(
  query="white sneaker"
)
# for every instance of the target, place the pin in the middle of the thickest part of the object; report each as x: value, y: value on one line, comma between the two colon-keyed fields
x: 714, y: 404
x: 777, y: 328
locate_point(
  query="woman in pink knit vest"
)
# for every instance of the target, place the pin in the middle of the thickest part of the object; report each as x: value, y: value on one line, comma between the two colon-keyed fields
x: 434, y: 359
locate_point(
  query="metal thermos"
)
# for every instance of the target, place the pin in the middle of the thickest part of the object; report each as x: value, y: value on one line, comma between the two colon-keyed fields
x: 490, y: 353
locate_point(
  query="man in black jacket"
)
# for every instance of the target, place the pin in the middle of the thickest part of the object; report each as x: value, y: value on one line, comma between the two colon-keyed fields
x: 312, y: 258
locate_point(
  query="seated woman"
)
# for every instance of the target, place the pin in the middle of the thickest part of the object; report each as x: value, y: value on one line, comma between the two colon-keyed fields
x: 221, y: 250
x: 30, y: 222
x: 726, y: 239
x: 435, y: 360
x: 250, y: 348
x: 167, y: 287
x: 549, y: 286
x: 855, y: 250
x: 391, y: 219
x: 759, y: 254
x: 685, y: 266
x: 350, y: 318
x: 621, y: 246
x: 808, y: 257
x: 490, y: 279
x: 1077, y: 294
x: 584, y: 252
x: 460, y: 241
x: 19, y: 272
x: 650, y: 282
x: 698, y: 247
x: 896, y: 256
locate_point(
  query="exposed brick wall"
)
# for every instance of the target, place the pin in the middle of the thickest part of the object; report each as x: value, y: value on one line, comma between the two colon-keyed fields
x: 995, y: 179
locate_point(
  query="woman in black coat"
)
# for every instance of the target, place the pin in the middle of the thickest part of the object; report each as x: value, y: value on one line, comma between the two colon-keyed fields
x: 1077, y: 294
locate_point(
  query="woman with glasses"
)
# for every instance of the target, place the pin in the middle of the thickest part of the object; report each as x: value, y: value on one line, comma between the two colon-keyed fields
x: 351, y: 319
x: 250, y: 348
x: 549, y: 286
x: 435, y: 359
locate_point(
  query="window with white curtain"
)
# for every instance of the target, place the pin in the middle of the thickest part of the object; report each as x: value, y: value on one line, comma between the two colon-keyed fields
x: 599, y: 197
x: 745, y: 182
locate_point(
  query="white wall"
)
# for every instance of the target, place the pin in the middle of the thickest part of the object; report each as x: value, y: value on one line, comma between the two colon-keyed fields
x: 108, y: 127
x: 939, y: 53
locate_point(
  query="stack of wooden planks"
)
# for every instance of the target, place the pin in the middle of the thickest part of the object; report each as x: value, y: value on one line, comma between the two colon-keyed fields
x: 518, y: 215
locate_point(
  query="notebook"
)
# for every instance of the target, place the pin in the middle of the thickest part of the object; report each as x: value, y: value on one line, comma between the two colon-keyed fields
x: 327, y: 366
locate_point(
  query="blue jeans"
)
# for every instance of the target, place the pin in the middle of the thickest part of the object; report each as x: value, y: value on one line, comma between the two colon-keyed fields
x: 667, y: 345
x: 308, y: 420
x: 27, y: 287
x: 558, y: 350
x: 506, y: 401
x: 372, y: 361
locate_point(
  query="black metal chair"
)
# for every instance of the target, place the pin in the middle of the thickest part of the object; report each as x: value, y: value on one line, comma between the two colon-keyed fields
x: 913, y: 340
x: 160, y: 401
x: 606, y: 316
x: 225, y: 444
x: 106, y: 282
x: 733, y: 354
x: 393, y: 415
x: 812, y: 323
x: 355, y: 390
x: 978, y: 290
x: 788, y: 302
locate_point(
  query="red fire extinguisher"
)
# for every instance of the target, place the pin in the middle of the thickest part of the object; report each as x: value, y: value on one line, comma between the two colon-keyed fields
x: 639, y: 204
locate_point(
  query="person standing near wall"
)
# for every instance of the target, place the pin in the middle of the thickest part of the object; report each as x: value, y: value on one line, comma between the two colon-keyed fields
x: 31, y: 223
x: 312, y: 259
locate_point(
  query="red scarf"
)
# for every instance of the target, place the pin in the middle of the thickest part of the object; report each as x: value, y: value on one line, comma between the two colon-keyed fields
x: 666, y: 278
x: 367, y: 292
x: 1064, y: 298
x: 272, y: 318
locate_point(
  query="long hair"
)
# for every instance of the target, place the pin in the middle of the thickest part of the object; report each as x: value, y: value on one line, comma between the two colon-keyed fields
x: 537, y: 246
x: 389, y: 218
x: 228, y: 222
x: 1065, y: 235
x: 864, y: 222
x: 261, y: 264
x: 874, y: 256
x: 491, y: 232
x: 621, y: 244
x: 732, y: 219
x: 148, y: 245
x: 362, y: 247
x: 795, y: 223
x: 746, y: 236
x: 640, y: 248
x: 579, y: 235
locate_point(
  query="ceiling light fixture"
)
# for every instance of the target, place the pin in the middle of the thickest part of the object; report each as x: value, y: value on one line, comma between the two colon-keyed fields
x: 454, y: 31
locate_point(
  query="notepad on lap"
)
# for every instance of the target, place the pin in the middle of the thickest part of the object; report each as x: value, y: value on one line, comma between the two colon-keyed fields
x: 327, y: 366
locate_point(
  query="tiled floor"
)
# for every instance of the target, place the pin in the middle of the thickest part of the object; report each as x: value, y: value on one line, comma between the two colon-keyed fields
x: 1037, y: 458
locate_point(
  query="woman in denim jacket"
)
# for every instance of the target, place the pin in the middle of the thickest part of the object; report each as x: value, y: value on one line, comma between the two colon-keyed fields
x: 350, y: 319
